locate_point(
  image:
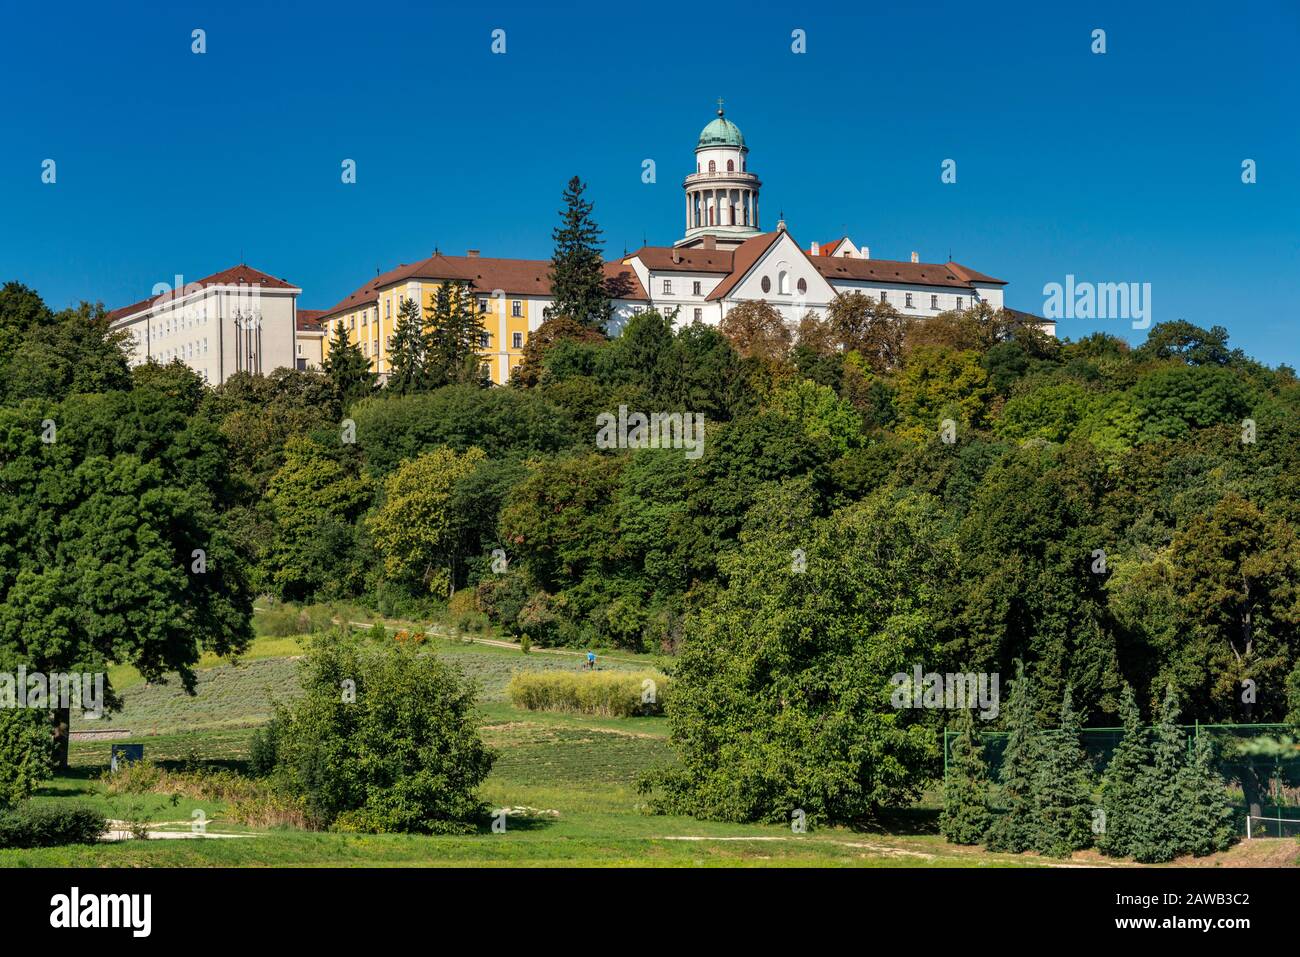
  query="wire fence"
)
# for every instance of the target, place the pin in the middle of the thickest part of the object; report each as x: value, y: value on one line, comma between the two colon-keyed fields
x: 1259, y: 762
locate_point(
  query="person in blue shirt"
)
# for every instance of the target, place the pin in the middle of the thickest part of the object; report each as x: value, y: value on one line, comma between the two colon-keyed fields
x: 591, y: 660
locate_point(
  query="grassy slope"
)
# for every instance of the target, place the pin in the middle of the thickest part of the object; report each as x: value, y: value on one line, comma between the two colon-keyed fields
x: 572, y: 776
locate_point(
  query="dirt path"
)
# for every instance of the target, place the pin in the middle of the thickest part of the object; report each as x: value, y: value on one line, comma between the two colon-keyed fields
x: 444, y: 632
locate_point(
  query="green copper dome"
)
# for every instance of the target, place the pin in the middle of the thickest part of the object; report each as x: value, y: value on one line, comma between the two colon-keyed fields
x: 721, y: 132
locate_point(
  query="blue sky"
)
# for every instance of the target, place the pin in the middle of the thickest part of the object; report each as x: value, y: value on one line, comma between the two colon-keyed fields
x: 1123, y: 167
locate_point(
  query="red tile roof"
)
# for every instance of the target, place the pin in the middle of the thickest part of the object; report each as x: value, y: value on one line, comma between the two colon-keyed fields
x: 695, y: 259
x: 743, y: 258
x: 309, y: 320
x: 514, y: 277
x: 234, y: 276
x: 888, y: 271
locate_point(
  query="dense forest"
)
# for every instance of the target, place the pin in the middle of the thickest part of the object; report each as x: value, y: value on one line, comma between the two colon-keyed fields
x: 872, y: 494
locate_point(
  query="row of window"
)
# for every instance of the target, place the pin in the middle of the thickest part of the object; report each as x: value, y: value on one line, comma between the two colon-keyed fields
x: 516, y: 307
x: 695, y: 288
x: 191, y: 350
x: 713, y: 166
x: 174, y: 323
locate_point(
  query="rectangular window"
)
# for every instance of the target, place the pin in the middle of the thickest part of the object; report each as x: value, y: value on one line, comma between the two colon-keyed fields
x: 482, y: 305
x: 695, y: 288
x: 517, y: 340
x: 934, y: 302
x: 668, y: 287
x: 668, y: 312
x: 883, y: 297
x: 485, y: 340
x: 959, y: 302
x: 516, y: 308
x: 699, y: 315
x: 908, y: 302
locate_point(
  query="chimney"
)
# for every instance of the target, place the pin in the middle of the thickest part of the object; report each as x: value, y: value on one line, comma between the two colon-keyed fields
x: 865, y: 251
x: 677, y: 255
x: 815, y: 250
x: 916, y: 257
x: 473, y: 254
x: 709, y: 241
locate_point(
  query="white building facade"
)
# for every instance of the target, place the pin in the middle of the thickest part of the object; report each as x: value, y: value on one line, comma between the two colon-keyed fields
x: 237, y: 320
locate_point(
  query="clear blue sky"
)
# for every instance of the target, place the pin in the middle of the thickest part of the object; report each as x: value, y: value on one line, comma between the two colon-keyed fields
x: 1122, y: 167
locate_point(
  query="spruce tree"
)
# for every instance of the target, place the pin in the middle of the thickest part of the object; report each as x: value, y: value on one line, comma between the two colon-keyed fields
x: 454, y: 337
x: 347, y: 369
x: 577, y: 267
x: 406, y: 350
x: 966, y: 816
x: 1207, y: 811
x: 1122, y: 786
x: 1160, y: 834
x: 1014, y: 828
x: 1063, y: 789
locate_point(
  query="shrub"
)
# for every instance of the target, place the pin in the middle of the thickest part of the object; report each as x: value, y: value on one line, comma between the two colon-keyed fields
x: 48, y: 825
x: 384, y: 739
x: 207, y: 784
x: 282, y: 621
x: 26, y: 750
x: 272, y: 809
x: 617, y: 694
x: 262, y: 749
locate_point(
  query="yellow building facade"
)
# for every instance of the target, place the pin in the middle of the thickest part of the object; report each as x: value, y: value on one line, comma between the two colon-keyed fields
x: 512, y: 296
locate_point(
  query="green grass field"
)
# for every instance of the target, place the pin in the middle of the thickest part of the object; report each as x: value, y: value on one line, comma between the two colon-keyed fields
x: 568, y: 780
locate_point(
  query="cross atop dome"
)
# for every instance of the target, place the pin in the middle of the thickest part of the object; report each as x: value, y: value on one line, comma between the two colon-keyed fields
x: 719, y: 106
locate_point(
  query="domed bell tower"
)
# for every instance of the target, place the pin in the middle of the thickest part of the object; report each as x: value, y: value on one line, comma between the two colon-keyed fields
x: 722, y: 194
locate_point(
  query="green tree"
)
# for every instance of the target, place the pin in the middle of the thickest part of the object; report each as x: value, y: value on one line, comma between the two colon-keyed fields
x: 1062, y: 789
x: 315, y: 499
x: 115, y: 549
x: 406, y: 350
x: 577, y: 272
x: 938, y: 384
x: 454, y: 337
x: 26, y: 751
x: 966, y: 817
x: 385, y: 738
x: 1206, y: 808
x: 347, y: 369
x: 415, y: 528
x: 1014, y: 829
x: 1162, y: 832
x: 1123, y: 785
x: 821, y: 413
x: 768, y: 719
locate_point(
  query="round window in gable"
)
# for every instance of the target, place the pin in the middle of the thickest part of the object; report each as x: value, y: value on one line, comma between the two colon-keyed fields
x: 802, y: 286
x: 766, y: 284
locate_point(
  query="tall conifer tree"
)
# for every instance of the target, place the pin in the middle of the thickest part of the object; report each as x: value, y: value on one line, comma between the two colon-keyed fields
x: 1161, y: 832
x: 1014, y: 828
x: 1063, y: 788
x: 406, y: 351
x: 1122, y: 786
x: 347, y: 369
x: 1207, y: 810
x: 577, y: 266
x: 966, y: 816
